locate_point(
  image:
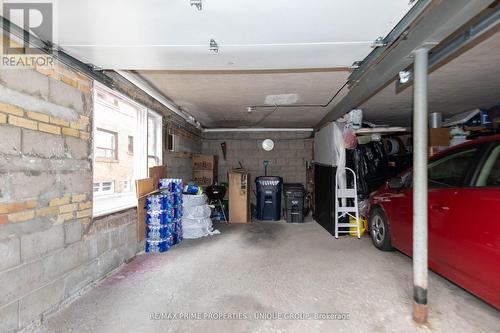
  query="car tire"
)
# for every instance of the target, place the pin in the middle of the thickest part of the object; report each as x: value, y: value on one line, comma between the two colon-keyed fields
x: 379, y: 230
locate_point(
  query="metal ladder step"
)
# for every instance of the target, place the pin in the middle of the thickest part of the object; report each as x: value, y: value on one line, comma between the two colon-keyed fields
x: 351, y: 211
x: 348, y: 193
x: 348, y: 225
x: 347, y: 210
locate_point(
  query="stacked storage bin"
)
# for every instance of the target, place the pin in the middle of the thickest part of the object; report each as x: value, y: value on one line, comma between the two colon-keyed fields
x: 164, y: 215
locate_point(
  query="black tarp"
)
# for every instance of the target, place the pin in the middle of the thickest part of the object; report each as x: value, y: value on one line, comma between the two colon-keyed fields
x: 324, y: 192
x: 370, y: 164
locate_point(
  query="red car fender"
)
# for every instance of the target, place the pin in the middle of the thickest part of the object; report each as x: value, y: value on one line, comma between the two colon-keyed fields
x: 377, y: 200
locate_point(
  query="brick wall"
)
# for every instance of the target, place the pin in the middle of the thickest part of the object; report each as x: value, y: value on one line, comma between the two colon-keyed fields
x: 288, y: 159
x: 50, y: 248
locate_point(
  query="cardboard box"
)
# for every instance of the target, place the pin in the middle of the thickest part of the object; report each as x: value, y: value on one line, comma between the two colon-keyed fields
x: 158, y: 172
x: 239, y: 196
x: 433, y: 150
x: 439, y: 137
x: 205, y: 162
x: 143, y: 188
x: 205, y: 177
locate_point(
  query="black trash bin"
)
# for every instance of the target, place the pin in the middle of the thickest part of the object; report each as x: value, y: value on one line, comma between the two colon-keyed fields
x: 268, y: 198
x: 294, y: 202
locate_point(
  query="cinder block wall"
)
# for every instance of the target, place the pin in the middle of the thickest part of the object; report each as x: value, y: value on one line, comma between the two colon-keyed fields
x: 288, y: 159
x: 50, y: 248
x: 189, y: 138
x: 179, y: 163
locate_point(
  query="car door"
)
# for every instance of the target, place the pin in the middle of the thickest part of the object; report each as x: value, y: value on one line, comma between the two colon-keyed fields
x: 447, y: 176
x: 400, y: 215
x: 475, y: 260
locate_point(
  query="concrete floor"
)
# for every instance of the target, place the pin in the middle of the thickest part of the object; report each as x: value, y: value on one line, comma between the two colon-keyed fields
x: 271, y: 268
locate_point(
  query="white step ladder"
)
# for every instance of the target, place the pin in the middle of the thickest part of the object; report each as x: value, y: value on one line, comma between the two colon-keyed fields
x: 342, y: 197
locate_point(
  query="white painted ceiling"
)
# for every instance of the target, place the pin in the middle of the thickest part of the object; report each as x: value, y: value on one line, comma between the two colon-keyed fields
x: 469, y: 81
x: 219, y: 99
x: 252, y: 34
x: 266, y: 48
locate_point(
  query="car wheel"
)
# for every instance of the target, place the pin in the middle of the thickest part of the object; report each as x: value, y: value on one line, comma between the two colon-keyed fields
x: 379, y: 230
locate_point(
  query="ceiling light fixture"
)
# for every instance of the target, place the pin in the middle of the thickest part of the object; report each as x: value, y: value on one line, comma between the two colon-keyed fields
x: 379, y: 42
x: 214, y: 46
x: 404, y: 76
x: 355, y: 65
x: 94, y: 67
x: 196, y: 3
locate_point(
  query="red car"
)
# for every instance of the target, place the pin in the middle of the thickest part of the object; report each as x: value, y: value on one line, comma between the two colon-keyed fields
x: 464, y: 216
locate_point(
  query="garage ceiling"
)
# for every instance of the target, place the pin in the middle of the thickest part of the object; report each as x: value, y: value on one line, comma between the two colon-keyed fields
x: 470, y: 81
x: 219, y: 99
x: 266, y: 48
x: 257, y: 34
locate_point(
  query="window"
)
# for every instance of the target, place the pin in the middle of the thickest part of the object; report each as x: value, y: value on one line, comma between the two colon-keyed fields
x: 450, y: 171
x: 172, y: 142
x: 154, y: 139
x: 490, y: 173
x: 130, y: 144
x: 127, y: 137
x: 106, y: 144
x: 104, y: 188
x: 117, y: 123
x: 126, y: 186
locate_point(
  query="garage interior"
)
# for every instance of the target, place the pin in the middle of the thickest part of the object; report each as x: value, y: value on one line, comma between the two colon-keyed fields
x: 180, y: 166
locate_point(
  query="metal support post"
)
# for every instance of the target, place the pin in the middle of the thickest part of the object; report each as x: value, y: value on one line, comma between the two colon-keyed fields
x: 420, y: 151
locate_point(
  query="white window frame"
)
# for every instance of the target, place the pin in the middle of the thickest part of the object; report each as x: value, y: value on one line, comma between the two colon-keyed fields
x: 114, y: 149
x: 100, y: 187
x: 174, y: 140
x: 158, y: 123
x: 140, y: 143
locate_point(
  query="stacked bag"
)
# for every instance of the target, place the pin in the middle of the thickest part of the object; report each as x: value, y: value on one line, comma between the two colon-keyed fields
x: 196, y: 221
x: 164, y: 216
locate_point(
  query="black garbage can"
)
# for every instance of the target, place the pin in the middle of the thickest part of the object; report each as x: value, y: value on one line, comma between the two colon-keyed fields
x: 294, y: 202
x: 268, y: 198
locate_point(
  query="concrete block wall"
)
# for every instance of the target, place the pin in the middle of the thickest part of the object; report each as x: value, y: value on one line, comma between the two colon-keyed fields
x: 179, y: 162
x: 50, y: 248
x: 288, y: 159
x: 189, y: 138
